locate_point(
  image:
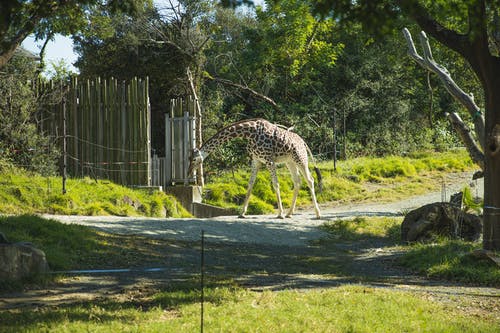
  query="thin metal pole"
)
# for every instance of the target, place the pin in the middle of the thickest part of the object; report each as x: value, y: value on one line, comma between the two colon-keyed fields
x: 202, y: 279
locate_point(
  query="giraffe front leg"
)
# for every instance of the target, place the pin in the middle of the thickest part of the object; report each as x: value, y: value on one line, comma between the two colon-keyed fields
x: 274, y: 178
x: 251, y: 182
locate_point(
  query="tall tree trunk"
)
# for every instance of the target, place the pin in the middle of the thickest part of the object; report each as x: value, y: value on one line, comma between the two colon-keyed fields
x: 491, y: 222
x: 475, y: 48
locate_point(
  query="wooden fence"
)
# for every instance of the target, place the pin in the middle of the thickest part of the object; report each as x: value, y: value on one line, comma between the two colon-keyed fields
x: 106, y: 127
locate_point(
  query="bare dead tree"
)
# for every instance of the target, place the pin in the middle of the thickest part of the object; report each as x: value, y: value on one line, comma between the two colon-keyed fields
x: 474, y: 144
x: 199, y: 141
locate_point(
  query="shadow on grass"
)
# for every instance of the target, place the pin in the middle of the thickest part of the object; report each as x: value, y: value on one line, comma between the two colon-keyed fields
x: 352, y: 253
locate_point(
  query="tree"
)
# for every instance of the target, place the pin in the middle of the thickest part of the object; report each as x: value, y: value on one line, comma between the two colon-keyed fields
x: 474, y: 147
x: 309, y: 66
x: 469, y: 28
x: 19, y: 19
x: 268, y: 64
x: 161, y: 43
x: 374, y: 86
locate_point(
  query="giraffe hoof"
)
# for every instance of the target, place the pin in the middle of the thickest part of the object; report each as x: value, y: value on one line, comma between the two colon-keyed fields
x: 280, y: 217
x: 288, y: 216
x: 241, y: 216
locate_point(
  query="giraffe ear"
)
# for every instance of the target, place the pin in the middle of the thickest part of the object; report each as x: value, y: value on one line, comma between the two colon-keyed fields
x: 196, y: 154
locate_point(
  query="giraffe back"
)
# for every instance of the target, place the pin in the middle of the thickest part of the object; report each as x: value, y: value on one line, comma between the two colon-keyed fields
x: 274, y: 143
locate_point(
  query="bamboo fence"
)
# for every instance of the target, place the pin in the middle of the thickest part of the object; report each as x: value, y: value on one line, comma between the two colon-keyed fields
x: 107, y: 129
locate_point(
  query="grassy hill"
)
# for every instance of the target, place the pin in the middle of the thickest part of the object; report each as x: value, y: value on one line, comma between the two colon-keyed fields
x: 361, y: 179
x: 23, y: 192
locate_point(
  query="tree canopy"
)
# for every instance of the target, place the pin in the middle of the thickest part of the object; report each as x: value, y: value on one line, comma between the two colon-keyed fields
x: 19, y: 19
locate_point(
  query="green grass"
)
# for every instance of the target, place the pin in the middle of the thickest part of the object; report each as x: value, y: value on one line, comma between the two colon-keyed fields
x: 69, y: 246
x: 363, y: 228
x: 451, y: 260
x: 228, y: 309
x: 447, y: 259
x: 361, y: 179
x: 23, y: 192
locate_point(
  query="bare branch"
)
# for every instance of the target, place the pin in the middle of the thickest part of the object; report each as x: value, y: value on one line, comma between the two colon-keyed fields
x: 463, y: 131
x: 252, y: 92
x: 427, y: 62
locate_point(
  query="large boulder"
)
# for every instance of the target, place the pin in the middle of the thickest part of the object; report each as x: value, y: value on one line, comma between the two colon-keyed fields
x: 443, y: 219
x: 20, y: 260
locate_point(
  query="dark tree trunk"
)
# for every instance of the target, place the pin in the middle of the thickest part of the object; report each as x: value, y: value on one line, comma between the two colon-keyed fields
x: 491, y: 236
x: 475, y: 48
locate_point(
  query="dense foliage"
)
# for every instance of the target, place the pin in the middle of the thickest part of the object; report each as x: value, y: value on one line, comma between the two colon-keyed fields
x: 311, y: 67
x: 21, y: 142
x: 336, y: 84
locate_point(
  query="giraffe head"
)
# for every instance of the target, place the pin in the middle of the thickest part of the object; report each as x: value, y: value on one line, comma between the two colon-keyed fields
x: 195, y: 161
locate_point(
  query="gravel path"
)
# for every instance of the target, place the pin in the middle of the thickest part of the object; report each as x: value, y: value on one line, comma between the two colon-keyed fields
x: 260, y: 229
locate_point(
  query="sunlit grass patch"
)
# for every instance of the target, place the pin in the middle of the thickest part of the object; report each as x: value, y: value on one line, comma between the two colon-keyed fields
x: 361, y: 179
x: 451, y: 260
x: 364, y: 228
x: 341, y: 309
x: 28, y: 193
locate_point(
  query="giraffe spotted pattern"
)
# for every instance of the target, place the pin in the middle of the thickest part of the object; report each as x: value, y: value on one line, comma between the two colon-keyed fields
x: 268, y: 144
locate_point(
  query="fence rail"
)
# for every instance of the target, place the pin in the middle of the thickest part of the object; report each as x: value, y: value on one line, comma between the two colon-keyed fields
x: 107, y: 129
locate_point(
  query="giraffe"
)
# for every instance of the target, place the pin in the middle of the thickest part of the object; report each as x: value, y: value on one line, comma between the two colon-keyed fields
x: 268, y: 144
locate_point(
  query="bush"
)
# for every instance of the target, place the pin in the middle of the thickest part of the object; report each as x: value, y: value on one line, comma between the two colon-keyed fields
x: 21, y: 142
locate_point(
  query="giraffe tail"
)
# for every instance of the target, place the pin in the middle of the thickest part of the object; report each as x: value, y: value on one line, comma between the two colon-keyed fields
x: 320, y: 179
x: 316, y: 169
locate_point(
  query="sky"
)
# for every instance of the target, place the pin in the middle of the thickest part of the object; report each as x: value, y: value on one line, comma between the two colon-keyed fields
x: 61, y: 48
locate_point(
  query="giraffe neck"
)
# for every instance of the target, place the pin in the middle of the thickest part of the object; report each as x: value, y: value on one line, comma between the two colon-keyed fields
x: 242, y: 129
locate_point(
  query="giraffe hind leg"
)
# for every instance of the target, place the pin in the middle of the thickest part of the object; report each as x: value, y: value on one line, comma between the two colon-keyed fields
x: 310, y: 182
x: 296, y: 187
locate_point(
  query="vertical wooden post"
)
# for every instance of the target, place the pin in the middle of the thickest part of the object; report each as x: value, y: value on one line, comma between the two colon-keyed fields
x: 65, y: 154
x: 168, y: 149
x: 334, y: 139
x: 185, y: 146
x: 148, y: 129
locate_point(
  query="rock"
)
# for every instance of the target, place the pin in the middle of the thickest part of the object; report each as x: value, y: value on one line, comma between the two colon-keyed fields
x: 457, y: 199
x: 443, y: 219
x: 3, y: 239
x: 488, y: 255
x: 21, y: 260
x: 129, y: 201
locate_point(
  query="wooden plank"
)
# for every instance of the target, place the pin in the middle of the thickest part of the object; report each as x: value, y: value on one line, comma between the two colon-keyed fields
x: 148, y: 128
